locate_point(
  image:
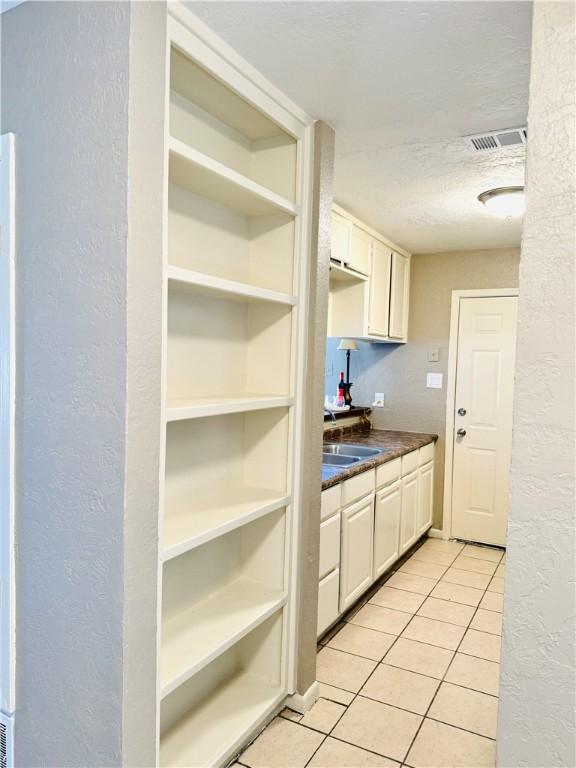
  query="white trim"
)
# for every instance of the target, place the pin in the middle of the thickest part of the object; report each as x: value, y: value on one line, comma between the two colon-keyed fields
x: 370, y: 230
x: 304, y: 702
x: 436, y: 533
x: 7, y: 419
x: 474, y: 293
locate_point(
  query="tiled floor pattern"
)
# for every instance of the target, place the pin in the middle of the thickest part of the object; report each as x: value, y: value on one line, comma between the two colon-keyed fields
x: 410, y: 677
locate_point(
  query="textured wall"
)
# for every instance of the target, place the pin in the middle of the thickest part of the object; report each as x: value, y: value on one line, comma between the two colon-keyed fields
x: 86, y: 455
x: 399, y: 370
x: 537, y: 704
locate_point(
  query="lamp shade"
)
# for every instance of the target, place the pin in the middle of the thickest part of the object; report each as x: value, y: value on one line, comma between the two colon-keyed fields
x: 348, y: 344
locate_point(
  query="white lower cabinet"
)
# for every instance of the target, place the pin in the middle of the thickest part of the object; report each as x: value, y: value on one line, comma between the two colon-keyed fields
x: 356, y: 550
x: 328, y: 592
x: 362, y: 533
x: 425, y: 497
x: 408, y: 530
x: 387, y: 510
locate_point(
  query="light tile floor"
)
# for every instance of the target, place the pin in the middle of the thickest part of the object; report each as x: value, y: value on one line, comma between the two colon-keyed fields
x: 409, y: 677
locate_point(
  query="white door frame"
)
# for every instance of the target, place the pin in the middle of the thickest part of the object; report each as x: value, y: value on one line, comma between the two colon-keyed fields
x: 457, y: 296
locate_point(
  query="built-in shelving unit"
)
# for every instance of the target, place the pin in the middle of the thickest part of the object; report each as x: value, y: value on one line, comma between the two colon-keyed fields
x: 233, y: 281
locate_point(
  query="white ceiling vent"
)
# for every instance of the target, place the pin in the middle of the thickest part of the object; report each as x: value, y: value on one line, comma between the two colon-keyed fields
x: 492, y: 140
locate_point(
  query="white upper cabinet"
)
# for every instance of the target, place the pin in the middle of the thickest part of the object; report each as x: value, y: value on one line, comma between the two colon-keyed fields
x: 341, y: 239
x: 379, y: 290
x: 360, y: 252
x: 369, y: 283
x: 399, y: 297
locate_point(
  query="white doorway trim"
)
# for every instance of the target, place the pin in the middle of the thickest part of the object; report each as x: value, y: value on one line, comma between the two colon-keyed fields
x: 474, y: 293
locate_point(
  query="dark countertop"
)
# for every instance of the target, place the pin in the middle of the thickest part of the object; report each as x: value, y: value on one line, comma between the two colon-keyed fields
x: 395, y: 444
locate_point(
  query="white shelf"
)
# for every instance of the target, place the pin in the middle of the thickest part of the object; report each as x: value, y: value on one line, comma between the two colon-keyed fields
x: 211, y: 732
x: 199, y: 282
x: 200, y: 407
x: 191, y: 524
x: 205, y: 176
x: 198, y: 635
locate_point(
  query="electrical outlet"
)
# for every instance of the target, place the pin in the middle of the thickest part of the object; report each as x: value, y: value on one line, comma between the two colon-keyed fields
x: 378, y: 400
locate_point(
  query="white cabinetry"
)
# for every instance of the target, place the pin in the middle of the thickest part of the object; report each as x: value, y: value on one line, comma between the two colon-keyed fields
x: 399, y: 297
x: 387, y: 511
x: 360, y: 257
x: 362, y: 533
x: 369, y: 283
x: 357, y: 548
x: 408, y: 533
x: 341, y: 237
x: 425, y: 497
x: 379, y: 309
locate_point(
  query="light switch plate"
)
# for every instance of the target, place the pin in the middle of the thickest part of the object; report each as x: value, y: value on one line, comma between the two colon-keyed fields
x: 378, y: 400
x: 434, y: 380
x: 433, y: 354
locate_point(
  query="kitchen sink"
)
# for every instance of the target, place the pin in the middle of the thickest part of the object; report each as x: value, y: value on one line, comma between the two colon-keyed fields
x: 343, y: 449
x: 339, y: 461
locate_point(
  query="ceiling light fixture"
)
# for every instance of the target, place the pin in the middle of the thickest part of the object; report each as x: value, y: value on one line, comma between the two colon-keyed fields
x: 504, y: 202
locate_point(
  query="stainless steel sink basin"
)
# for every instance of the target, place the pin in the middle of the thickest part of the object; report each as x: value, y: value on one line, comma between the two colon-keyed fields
x: 339, y: 461
x: 343, y: 449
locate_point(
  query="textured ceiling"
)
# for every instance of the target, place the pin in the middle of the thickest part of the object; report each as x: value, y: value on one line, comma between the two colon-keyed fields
x: 401, y: 82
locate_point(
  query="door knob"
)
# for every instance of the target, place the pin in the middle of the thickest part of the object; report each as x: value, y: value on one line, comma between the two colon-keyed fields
x: 461, y: 432
x: 461, y: 411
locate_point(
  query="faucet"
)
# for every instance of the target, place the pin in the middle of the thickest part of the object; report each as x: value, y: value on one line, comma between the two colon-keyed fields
x: 330, y: 413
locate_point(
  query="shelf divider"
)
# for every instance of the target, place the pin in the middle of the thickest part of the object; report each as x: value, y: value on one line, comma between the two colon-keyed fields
x: 197, y: 523
x: 196, y: 408
x: 193, y: 639
x: 205, y: 176
x: 199, y: 282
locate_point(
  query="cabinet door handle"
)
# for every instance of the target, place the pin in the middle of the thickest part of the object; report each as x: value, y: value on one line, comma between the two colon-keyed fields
x: 461, y: 432
x: 461, y: 411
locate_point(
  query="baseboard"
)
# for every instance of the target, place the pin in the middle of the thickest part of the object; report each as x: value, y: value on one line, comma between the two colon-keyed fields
x: 302, y: 702
x: 437, y: 533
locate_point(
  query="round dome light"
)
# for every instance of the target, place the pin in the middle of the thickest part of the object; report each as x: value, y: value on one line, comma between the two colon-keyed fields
x: 504, y: 202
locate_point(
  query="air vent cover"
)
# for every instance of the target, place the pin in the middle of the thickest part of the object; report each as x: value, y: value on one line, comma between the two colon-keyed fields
x: 493, y: 140
x: 6, y: 741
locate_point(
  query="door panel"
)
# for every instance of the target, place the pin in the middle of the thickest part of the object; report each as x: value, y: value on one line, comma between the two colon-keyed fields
x: 408, y: 530
x: 484, y: 390
x: 399, y: 294
x: 425, y: 497
x: 360, y: 252
x: 387, y: 511
x: 379, y: 290
x: 357, y: 551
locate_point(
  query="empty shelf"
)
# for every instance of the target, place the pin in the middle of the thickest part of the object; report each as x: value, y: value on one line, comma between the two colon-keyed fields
x: 198, y: 635
x: 195, y: 408
x: 205, y: 176
x: 210, y: 733
x: 198, y: 282
x: 191, y: 524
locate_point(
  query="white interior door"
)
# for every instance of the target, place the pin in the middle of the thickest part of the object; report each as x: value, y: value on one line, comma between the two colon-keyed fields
x: 483, y: 418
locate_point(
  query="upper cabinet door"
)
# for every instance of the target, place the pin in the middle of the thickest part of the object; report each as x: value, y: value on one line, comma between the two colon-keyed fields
x: 361, y: 251
x: 399, y: 296
x: 379, y: 290
x: 341, y: 244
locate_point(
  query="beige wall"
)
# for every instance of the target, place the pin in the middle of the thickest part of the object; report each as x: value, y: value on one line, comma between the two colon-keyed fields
x: 538, y: 679
x: 400, y: 370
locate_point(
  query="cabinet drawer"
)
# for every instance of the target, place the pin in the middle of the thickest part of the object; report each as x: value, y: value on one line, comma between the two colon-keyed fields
x: 328, y: 600
x: 426, y: 454
x: 331, y: 501
x: 409, y: 462
x: 388, y: 473
x: 358, y: 486
x: 329, y: 545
